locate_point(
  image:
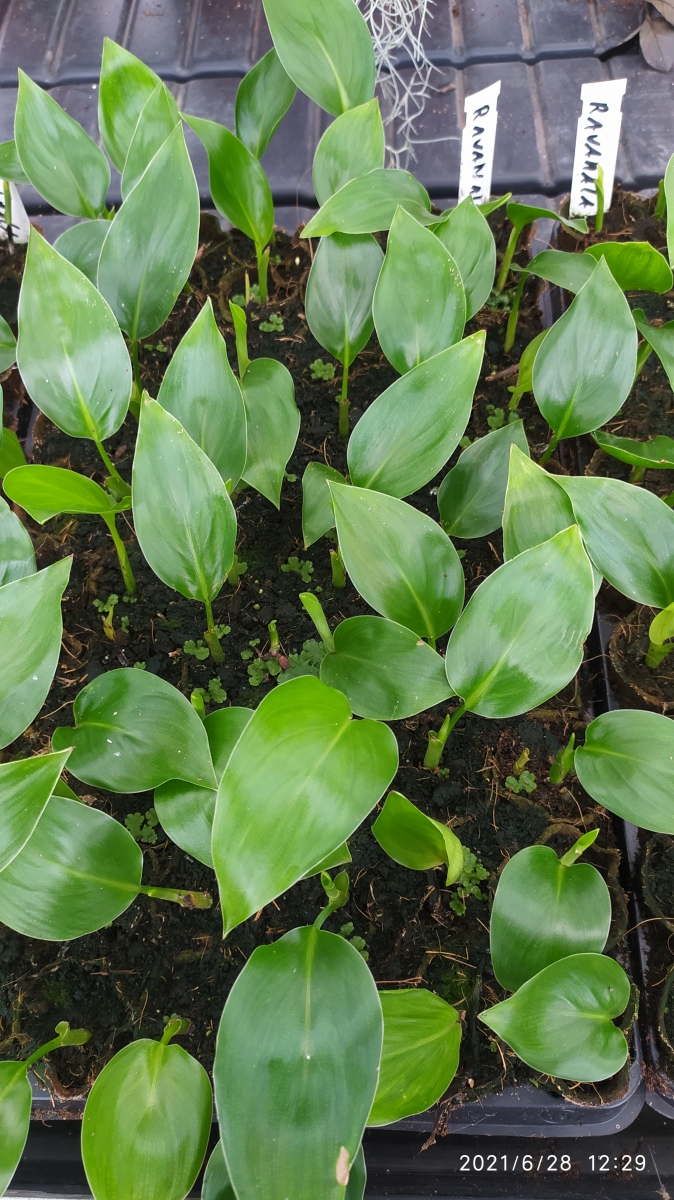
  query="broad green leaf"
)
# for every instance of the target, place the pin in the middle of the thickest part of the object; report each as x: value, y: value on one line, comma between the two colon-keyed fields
x: 78, y: 870
x: 326, y: 48
x: 296, y: 1066
x: 414, y: 320
x: 420, y: 1055
x: 11, y: 452
x: 30, y: 644
x: 25, y: 787
x: 472, y: 495
x: 262, y: 99
x: 156, y: 122
x: 407, y: 435
x: 402, y: 562
x: 660, y: 338
x: 536, y: 507
x: 626, y: 765
x: 384, y: 670
x: 238, y: 183
x: 16, y: 1097
x: 334, y: 771
x: 217, y: 1184
x: 201, y: 391
x: 148, y: 253
x: 272, y: 425
x: 17, y: 556
x: 10, y: 164
x: 7, y: 346
x: 126, y: 86
x: 561, y: 1021
x: 70, y: 352
x: 317, y: 515
x: 368, y: 204
x: 59, y: 158
x: 416, y: 841
x: 520, y: 638
x: 338, y: 302
x: 635, y: 266
x: 470, y: 242
x: 46, y: 491
x: 353, y: 145
x: 186, y: 810
x: 523, y: 214
x: 566, y: 270
x: 584, y: 369
x: 81, y: 245
x: 184, y: 519
x: 657, y: 453
x: 544, y: 910
x: 146, y: 1124
x: 629, y: 535
x: 134, y: 731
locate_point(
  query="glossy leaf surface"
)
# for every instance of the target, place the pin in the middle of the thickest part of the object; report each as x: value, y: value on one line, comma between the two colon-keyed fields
x: 472, y: 495
x: 384, y: 670
x: 368, y: 204
x: 520, y: 638
x: 133, y: 731
x: 338, y: 302
x: 81, y: 245
x: 661, y: 338
x: 156, y: 122
x: 626, y: 765
x: 416, y: 841
x: 201, y: 391
x: 326, y: 48
x: 657, y: 453
x: 238, y: 183
x: 470, y: 241
x: 536, y: 507
x: 561, y: 1021
x: 16, y: 1097
x: 262, y: 99
x: 301, y: 1033
x: 635, y: 266
x: 71, y: 352
x: 126, y: 86
x: 335, y: 770
x: 272, y: 424
x: 422, y: 1038
x: 46, y: 491
x: 146, y: 1124
x: 30, y: 644
x: 351, y: 146
x: 566, y: 270
x: 25, y: 787
x: 401, y: 562
x: 317, y: 514
x: 17, y: 556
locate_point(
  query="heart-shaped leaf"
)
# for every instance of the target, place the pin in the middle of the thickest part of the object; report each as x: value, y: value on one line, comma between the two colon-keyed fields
x: 384, y: 670
x: 584, y: 369
x: 25, y: 788
x: 401, y: 561
x: 183, y: 516
x: 470, y: 242
x: 126, y: 86
x: 146, y: 1124
x: 134, y: 731
x: 11, y: 452
x: 59, y: 158
x: 561, y: 1021
x: 318, y: 1057
x: 17, y: 1098
x: 238, y: 183
x: 657, y: 453
x: 272, y: 424
x: 660, y: 338
x: 326, y: 48
x: 150, y: 248
x: 156, y: 122
x: 46, y: 491
x: 17, y: 556
x: 626, y: 765
x: 413, y: 321
x: 351, y: 146
x: 30, y: 644
x: 262, y: 99
x: 340, y: 288
x: 368, y: 204
x: 536, y: 507
x: 420, y: 1055
x: 70, y: 352
x: 545, y: 909
x: 635, y: 266
x: 81, y: 245
x: 335, y: 770
x: 317, y: 514
x: 200, y: 389
x: 520, y: 638
x: 416, y: 841
x: 472, y: 495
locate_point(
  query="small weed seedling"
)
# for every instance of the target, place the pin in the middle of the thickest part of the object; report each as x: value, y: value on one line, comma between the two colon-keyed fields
x: 322, y: 370
x: 301, y: 566
x: 142, y: 828
x: 468, y: 883
x: 273, y: 325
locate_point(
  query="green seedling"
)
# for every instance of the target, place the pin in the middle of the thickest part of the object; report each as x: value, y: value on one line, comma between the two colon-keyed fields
x: 337, y: 569
x: 495, y: 417
x: 660, y: 631
x: 563, y: 762
x: 521, y: 215
x: 322, y: 370
x: 599, y: 187
x: 307, y: 662
x: 273, y: 325
x: 337, y: 892
x: 300, y: 566
x: 198, y: 650
x: 237, y: 569
x: 358, y: 943
x: 471, y: 876
x: 526, y: 782
x: 143, y: 827
x: 411, y: 838
x: 107, y: 609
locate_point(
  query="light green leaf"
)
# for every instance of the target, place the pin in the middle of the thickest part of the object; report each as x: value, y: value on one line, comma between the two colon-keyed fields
x: 336, y: 858
x: 30, y: 644
x: 156, y: 122
x: 368, y: 204
x: 46, y: 491
x: 134, y: 731
x: 317, y: 515
x: 338, y: 302
x: 626, y: 765
x: 660, y: 338
x: 25, y: 787
x: 416, y: 841
x: 7, y: 345
x: 70, y: 352
x: 657, y: 453
x: 238, y: 183
x: 470, y: 242
x: 11, y: 452
x: 81, y: 245
x: 402, y: 562
x: 10, y: 164
x: 201, y: 391
x: 566, y: 270
x: 302, y: 1083
x: 326, y: 48
x: 561, y: 1021
x: 148, y: 253
x: 16, y: 1098
x: 17, y: 556
x: 262, y: 99
x: 59, y: 158
x: 492, y: 205
x: 351, y: 146
x: 420, y: 1056
x: 126, y: 86
x: 525, y: 381
x: 636, y: 266
x: 536, y: 507
x: 472, y: 495
x: 272, y: 424
x: 520, y: 638
x: 335, y: 770
x: 523, y: 214
x: 217, y: 1184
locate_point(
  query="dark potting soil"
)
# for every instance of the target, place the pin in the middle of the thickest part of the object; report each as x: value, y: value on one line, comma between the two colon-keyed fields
x: 657, y: 932
x: 157, y: 959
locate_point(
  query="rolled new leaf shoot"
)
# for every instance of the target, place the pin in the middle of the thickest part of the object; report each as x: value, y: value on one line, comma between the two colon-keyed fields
x: 337, y: 892
x: 414, y: 840
x: 420, y: 1055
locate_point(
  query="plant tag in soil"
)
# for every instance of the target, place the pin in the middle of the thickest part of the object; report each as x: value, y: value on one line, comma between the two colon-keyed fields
x: 477, y: 144
x: 18, y: 217
x: 596, y: 144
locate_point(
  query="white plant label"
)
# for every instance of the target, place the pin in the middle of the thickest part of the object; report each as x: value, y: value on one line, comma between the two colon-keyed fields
x: 18, y: 216
x: 596, y: 144
x: 477, y: 144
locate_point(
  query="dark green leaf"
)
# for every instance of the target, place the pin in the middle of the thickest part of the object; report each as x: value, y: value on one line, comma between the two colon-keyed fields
x: 626, y: 765
x: 420, y: 1056
x: 238, y: 183
x: 536, y: 507
x: 263, y: 98
x: 340, y: 288
x: 10, y: 164
x: 472, y: 495
x: 217, y: 1184
x: 317, y: 515
x: 657, y: 453
x: 81, y: 245
x: 16, y: 1097
x: 416, y: 841
x: 11, y: 452
x: 368, y: 204
x: 17, y: 556
x: 355, y: 1188
x: 126, y: 86
x: 351, y: 146
x: 156, y: 122
x: 46, y: 491
x: 636, y: 266
x: 272, y: 425
x: 326, y: 48
x: 471, y: 244
x: 661, y: 338
x: 25, y: 787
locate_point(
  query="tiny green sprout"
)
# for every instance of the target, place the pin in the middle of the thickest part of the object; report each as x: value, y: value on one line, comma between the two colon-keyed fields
x: 161, y: 348
x: 525, y: 783
x: 322, y: 370
x: 563, y: 762
x: 337, y: 892
x: 142, y: 828
x: 357, y: 942
x: 198, y: 701
x: 107, y: 608
x: 236, y: 570
x: 140, y: 666
x: 599, y: 218
x: 124, y: 622
x: 312, y: 605
x: 465, y: 442
x: 496, y: 417
x: 273, y: 325
x: 521, y: 761
x: 307, y: 662
x: 661, y: 202
x: 301, y: 566
x: 471, y: 876
x: 338, y: 569
x: 274, y: 640
x: 196, y: 649
x: 291, y: 478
